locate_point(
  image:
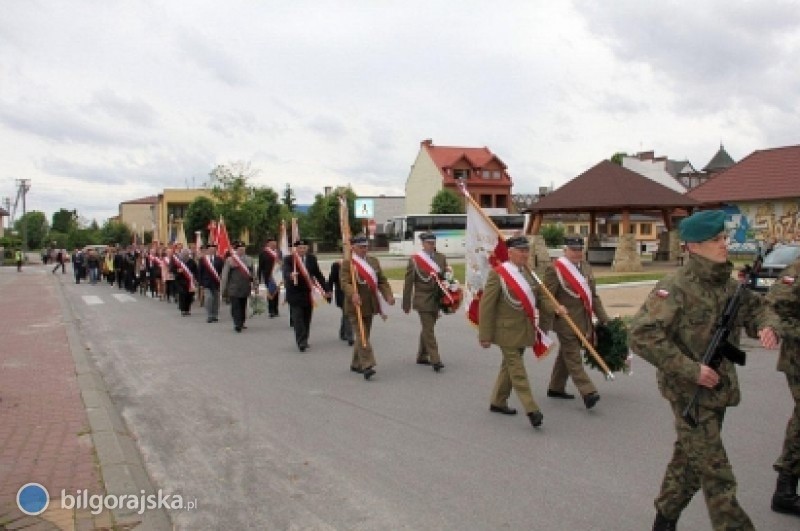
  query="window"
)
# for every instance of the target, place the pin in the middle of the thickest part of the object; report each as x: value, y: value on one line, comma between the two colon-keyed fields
x: 500, y: 201
x: 645, y: 229
x: 486, y: 174
x: 497, y: 174
x: 632, y: 229
x: 584, y: 230
x: 570, y: 229
x: 486, y: 201
x: 613, y: 229
x: 461, y: 174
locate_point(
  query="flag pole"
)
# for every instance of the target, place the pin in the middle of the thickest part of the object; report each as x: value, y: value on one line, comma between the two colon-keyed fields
x: 347, y: 251
x: 567, y: 318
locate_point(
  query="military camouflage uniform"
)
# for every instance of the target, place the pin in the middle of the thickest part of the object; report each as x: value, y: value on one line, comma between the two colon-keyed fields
x: 784, y: 297
x: 671, y: 331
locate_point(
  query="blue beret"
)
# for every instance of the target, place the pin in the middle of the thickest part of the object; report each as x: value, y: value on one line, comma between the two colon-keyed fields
x: 358, y: 239
x: 518, y: 242
x: 702, y: 226
x: 427, y: 237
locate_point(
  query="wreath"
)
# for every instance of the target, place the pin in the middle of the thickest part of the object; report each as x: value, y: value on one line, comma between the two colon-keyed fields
x: 257, y: 305
x: 612, y: 346
x: 450, y: 301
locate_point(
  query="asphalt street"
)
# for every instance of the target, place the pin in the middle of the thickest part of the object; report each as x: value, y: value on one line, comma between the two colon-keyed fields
x: 266, y: 437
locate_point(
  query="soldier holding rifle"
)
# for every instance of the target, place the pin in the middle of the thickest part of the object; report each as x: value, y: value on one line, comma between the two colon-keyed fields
x: 672, y: 331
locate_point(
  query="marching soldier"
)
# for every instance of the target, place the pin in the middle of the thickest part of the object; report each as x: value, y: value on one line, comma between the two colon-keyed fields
x: 671, y: 331
x: 508, y: 319
x: 237, y: 281
x: 268, y: 259
x: 371, y: 293
x: 302, y: 277
x: 571, y: 282
x: 421, y: 288
x: 784, y: 296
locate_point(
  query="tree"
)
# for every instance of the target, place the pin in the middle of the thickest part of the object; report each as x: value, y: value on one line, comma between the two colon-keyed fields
x: 616, y: 158
x: 198, y: 215
x: 553, y: 235
x: 289, y: 198
x: 323, y: 216
x: 33, y: 228
x: 64, y: 221
x: 263, y: 215
x: 80, y: 238
x: 115, y: 232
x: 446, y: 202
x: 229, y: 186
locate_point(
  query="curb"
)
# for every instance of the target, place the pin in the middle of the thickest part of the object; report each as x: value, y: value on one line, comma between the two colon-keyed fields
x: 120, y: 463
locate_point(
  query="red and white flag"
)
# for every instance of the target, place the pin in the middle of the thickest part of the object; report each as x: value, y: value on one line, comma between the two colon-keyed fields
x: 223, y: 242
x: 485, y: 249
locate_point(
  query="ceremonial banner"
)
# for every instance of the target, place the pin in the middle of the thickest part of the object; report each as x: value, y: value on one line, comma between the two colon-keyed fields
x: 223, y: 242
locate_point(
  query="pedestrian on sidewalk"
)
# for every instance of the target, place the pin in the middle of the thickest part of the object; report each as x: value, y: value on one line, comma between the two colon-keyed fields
x: 18, y: 259
x: 77, y: 265
x: 60, y: 261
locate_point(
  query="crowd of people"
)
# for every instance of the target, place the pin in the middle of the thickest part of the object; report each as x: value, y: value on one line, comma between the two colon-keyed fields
x: 670, y: 331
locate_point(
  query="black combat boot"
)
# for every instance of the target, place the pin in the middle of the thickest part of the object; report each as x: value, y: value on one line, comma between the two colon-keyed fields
x: 785, y: 500
x: 662, y: 523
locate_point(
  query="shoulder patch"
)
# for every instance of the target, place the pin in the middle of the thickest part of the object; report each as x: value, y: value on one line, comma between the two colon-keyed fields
x: 662, y: 293
x: 789, y: 281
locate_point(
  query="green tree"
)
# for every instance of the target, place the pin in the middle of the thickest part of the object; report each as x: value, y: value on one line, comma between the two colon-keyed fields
x: 60, y: 238
x: 616, y: 158
x: 64, y: 221
x: 33, y: 228
x: 446, y: 202
x: 289, y: 198
x: 199, y: 214
x: 323, y: 216
x: 263, y: 215
x: 80, y: 238
x: 553, y: 235
x: 115, y: 232
x: 229, y: 186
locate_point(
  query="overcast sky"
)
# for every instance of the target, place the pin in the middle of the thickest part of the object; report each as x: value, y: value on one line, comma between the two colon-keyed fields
x: 107, y: 101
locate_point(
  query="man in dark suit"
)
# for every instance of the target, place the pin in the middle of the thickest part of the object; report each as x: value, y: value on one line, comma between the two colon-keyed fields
x: 335, y: 287
x: 237, y: 281
x: 267, y: 260
x: 301, y: 276
x: 210, y: 273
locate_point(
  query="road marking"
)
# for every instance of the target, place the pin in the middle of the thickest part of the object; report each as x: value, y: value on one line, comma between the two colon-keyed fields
x: 123, y: 297
x: 92, y: 299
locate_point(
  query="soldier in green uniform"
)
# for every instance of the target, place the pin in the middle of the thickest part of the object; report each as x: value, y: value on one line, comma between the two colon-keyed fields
x: 571, y: 282
x: 504, y: 322
x: 784, y: 297
x: 370, y: 292
x: 671, y: 331
x: 421, y: 289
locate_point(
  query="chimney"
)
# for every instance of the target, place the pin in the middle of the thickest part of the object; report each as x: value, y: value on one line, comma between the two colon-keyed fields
x: 427, y: 142
x: 327, y: 191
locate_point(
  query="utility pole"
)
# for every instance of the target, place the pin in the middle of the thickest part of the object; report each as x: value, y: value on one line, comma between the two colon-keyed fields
x: 24, y: 186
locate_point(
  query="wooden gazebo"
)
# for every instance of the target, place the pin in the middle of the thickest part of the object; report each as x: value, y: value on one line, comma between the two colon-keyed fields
x: 607, y: 189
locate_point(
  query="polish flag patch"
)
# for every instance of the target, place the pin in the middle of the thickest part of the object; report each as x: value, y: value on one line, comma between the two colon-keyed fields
x: 789, y: 281
x: 662, y: 293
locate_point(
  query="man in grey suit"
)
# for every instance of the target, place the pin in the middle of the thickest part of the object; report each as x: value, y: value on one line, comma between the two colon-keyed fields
x: 237, y: 281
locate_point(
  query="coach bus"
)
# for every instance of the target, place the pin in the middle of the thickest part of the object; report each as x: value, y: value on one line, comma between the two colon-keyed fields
x: 450, y: 229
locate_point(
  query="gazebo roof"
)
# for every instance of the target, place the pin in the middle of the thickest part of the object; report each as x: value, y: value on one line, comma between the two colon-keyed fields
x: 608, y: 187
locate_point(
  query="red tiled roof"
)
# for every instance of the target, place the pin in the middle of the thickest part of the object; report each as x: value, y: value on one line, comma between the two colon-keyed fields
x: 608, y: 186
x: 150, y: 199
x: 764, y: 174
x: 448, y: 156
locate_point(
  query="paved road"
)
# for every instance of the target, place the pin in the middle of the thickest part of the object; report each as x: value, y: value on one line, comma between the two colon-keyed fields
x: 266, y: 437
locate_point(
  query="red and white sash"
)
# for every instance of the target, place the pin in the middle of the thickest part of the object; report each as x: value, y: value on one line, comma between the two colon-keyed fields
x: 241, y: 266
x: 211, y: 269
x: 523, y: 292
x: 157, y: 260
x: 368, y: 275
x: 187, y: 274
x: 316, y: 292
x: 426, y: 264
x: 576, y: 283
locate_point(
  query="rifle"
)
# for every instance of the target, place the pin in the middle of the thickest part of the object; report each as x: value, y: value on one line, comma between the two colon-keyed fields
x: 719, y: 347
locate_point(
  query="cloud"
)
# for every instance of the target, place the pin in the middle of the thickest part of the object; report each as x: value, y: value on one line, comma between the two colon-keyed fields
x: 212, y: 58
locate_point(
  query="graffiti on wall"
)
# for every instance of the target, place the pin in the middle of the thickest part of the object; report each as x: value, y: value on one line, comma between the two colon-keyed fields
x: 766, y: 221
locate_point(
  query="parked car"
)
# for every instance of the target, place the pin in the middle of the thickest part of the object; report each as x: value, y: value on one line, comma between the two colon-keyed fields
x: 763, y: 277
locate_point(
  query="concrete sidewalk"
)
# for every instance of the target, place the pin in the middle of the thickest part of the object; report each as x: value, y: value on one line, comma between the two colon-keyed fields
x: 57, y: 425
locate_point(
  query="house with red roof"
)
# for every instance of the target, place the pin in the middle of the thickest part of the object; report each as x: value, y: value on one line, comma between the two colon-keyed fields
x: 442, y: 167
x: 762, y: 194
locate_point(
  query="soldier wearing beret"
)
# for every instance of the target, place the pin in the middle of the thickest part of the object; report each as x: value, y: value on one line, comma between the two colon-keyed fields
x: 422, y: 290
x: 371, y: 293
x: 671, y: 331
x: 784, y: 298
x: 504, y: 322
x: 571, y: 282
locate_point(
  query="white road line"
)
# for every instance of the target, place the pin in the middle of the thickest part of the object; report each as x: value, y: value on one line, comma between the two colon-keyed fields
x: 123, y: 297
x: 92, y: 299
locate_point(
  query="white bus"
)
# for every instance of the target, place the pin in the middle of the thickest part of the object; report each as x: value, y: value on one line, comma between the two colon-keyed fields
x: 450, y: 229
